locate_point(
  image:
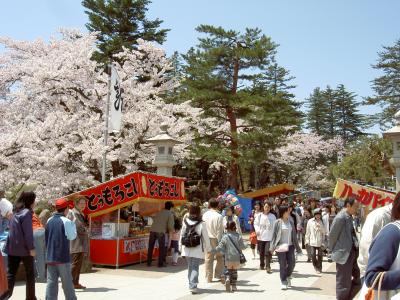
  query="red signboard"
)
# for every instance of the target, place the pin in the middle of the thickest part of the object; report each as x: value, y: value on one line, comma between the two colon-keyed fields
x: 367, y: 196
x: 125, y: 190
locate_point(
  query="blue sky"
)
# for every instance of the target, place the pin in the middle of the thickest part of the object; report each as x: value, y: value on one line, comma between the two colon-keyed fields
x: 321, y: 42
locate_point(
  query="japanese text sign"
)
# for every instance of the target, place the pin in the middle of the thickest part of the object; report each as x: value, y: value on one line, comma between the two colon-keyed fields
x: 367, y: 196
x: 133, y: 187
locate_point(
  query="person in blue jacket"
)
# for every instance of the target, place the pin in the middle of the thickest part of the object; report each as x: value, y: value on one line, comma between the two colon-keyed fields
x: 59, y: 231
x: 384, y: 254
x: 20, y: 247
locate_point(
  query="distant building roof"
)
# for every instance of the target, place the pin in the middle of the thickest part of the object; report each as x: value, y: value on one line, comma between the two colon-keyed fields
x: 274, y: 190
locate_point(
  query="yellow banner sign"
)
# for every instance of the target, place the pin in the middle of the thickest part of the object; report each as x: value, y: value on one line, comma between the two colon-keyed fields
x: 367, y: 196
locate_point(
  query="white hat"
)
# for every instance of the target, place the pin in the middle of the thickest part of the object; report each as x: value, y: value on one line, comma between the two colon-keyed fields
x: 5, y: 207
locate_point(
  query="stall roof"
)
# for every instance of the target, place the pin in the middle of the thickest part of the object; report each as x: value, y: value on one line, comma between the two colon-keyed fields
x: 149, y: 190
x: 274, y: 190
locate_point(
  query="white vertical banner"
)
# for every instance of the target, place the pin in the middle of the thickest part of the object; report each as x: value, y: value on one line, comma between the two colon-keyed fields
x: 116, y: 102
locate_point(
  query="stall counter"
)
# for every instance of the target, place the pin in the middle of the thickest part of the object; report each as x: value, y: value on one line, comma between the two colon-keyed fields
x: 130, y: 251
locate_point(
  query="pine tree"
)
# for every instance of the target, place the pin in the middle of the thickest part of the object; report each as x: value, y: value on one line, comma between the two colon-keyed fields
x: 121, y: 23
x: 331, y: 120
x: 348, y: 121
x: 317, y: 115
x: 218, y: 79
x: 387, y: 86
x: 278, y: 80
x: 334, y: 112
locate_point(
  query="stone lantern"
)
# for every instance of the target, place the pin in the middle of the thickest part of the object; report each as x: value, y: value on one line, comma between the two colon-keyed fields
x: 393, y: 134
x: 164, y: 159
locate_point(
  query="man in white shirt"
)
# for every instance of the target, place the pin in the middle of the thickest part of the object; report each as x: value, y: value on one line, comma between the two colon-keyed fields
x: 214, y: 224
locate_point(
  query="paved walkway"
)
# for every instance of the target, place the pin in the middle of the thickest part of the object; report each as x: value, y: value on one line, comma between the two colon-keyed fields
x: 142, y: 282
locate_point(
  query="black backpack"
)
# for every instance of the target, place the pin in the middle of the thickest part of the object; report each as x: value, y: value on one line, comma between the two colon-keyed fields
x: 191, y: 238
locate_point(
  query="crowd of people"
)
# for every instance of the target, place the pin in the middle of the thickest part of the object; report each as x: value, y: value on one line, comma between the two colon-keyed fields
x: 50, y: 247
x: 276, y: 227
x: 284, y: 229
x: 53, y: 247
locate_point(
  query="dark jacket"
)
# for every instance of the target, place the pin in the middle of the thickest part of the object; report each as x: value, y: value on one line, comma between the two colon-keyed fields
x: 59, y: 231
x: 340, y: 237
x: 384, y: 257
x: 20, y: 237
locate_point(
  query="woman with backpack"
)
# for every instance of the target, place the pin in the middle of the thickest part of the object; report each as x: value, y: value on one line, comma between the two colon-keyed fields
x: 194, y: 243
x: 231, y: 245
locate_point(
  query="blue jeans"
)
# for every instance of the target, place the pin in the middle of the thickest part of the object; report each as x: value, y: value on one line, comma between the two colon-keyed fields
x: 64, y: 272
x: 286, y: 264
x: 40, y: 258
x: 193, y: 271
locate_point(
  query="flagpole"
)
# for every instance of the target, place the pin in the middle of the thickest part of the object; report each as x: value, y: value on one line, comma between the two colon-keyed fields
x: 107, y: 111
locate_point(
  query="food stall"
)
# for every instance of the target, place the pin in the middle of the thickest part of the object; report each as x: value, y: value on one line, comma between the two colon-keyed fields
x: 116, y: 242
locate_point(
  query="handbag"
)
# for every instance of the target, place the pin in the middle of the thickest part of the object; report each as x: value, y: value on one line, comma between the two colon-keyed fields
x: 284, y: 247
x: 242, y: 258
x: 370, y: 295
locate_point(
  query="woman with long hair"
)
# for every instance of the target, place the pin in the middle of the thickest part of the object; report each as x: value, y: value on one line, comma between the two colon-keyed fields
x: 284, y: 242
x: 20, y: 245
x: 193, y: 228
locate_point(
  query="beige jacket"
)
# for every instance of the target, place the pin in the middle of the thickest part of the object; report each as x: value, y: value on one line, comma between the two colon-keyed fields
x: 81, y: 243
x: 214, y: 223
x: 315, y: 233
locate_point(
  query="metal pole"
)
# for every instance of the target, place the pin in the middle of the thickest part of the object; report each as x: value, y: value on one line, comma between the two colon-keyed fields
x: 118, y: 239
x: 90, y: 233
x: 107, y: 111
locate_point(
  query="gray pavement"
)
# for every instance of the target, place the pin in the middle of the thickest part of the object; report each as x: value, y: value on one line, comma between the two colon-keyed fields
x: 142, y: 282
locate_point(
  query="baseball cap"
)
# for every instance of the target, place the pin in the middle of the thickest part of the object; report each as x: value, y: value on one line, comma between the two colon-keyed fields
x: 61, y: 203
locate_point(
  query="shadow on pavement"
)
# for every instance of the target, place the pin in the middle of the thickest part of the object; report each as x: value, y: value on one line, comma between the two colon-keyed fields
x: 95, y: 290
x: 299, y: 275
x: 303, y: 288
x: 248, y: 269
x: 169, y: 268
x: 240, y: 290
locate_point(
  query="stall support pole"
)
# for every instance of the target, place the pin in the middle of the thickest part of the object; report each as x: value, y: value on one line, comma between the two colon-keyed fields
x: 107, y: 112
x: 117, y: 263
x: 90, y: 234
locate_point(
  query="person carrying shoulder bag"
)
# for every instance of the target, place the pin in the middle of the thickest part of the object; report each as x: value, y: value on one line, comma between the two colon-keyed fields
x: 284, y: 241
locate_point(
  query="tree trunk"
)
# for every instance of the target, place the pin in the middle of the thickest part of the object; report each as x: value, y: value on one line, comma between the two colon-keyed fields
x: 241, y: 178
x: 234, y: 145
x: 252, y: 177
x: 233, y: 176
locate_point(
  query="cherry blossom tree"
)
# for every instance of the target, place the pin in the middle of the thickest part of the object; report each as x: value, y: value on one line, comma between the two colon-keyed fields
x: 305, y: 158
x: 52, y: 99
